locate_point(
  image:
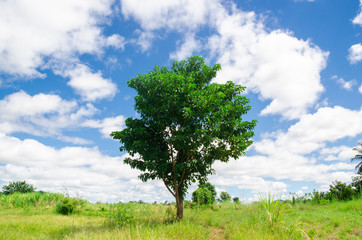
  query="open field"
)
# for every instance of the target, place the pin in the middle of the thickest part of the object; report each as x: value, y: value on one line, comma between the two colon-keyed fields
x: 33, y: 216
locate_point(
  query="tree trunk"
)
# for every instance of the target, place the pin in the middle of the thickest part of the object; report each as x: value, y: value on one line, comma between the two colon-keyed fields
x: 180, y: 207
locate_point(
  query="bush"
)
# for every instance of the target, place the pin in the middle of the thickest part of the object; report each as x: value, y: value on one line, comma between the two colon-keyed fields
x: 357, y: 184
x: 19, y: 186
x: 340, y: 191
x: 67, y: 206
x: 122, y: 215
x: 202, y: 196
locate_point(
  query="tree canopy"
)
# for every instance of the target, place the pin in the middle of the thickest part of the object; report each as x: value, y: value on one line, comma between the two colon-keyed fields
x: 186, y: 123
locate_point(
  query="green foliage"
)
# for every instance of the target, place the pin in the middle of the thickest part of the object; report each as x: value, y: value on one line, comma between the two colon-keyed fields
x: 225, y: 197
x: 186, y: 124
x: 29, y: 199
x: 236, y: 200
x: 18, y: 186
x: 357, y: 184
x: 340, y: 191
x: 275, y: 208
x: 202, y: 196
x: 205, y: 194
x: 358, y: 157
x: 211, y: 188
x: 68, y: 206
x: 121, y: 215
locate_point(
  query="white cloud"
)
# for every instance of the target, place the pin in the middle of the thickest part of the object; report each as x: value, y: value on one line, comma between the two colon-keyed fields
x: 345, y: 84
x: 360, y: 89
x: 90, y: 86
x: 107, y: 125
x: 187, y: 48
x: 276, y: 65
x: 256, y: 184
x: 85, y: 171
x: 38, y: 30
x: 340, y: 153
x: 358, y: 18
x: 42, y: 115
x: 355, y: 53
x: 176, y: 15
x: 292, y: 154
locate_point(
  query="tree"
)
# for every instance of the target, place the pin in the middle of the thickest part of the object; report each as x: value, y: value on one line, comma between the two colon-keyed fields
x: 236, y: 200
x: 225, y: 197
x: 211, y: 188
x: 202, y: 196
x: 186, y: 123
x: 358, y: 157
x: 19, y: 186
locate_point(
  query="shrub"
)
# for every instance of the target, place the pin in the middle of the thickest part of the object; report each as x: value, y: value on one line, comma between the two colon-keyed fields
x: 202, y: 196
x: 357, y: 184
x: 340, y: 191
x: 121, y: 215
x: 67, y: 206
x: 19, y: 186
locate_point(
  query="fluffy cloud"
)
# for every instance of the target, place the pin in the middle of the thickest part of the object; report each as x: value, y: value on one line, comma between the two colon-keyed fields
x: 176, y: 15
x: 300, y: 154
x: 38, y: 33
x: 107, y: 125
x: 42, y: 115
x: 85, y: 171
x: 355, y: 53
x: 345, y: 84
x: 274, y: 64
x: 90, y: 86
x: 358, y: 18
x: 187, y: 48
x: 58, y: 29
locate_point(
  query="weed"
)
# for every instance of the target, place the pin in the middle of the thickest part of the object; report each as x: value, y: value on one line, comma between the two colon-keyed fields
x: 275, y: 208
x: 121, y: 215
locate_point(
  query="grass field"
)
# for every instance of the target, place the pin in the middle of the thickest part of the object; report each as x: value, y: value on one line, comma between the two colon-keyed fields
x: 33, y: 216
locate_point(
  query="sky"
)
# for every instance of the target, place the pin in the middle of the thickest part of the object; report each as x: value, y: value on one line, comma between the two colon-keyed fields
x: 64, y: 67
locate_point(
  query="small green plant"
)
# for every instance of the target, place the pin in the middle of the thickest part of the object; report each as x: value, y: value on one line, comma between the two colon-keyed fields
x: 67, y: 206
x: 275, y: 208
x: 19, y: 186
x: 122, y: 215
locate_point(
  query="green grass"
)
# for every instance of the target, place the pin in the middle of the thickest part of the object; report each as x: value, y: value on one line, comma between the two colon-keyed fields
x: 21, y: 217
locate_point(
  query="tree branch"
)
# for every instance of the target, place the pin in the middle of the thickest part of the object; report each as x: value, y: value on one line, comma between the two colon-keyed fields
x: 168, y: 188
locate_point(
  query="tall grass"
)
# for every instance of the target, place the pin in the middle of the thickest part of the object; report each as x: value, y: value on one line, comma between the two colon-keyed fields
x: 30, y: 199
x: 337, y: 220
x: 275, y: 208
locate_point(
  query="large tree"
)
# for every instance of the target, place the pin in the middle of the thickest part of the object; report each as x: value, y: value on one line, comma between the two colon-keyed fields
x: 358, y: 157
x: 185, y: 125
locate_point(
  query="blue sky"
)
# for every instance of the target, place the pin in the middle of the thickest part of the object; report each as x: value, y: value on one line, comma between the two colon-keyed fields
x: 64, y: 67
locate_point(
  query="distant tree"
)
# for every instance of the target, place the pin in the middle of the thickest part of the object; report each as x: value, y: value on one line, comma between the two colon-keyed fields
x: 340, y: 191
x: 358, y: 157
x: 225, y: 197
x: 236, y: 200
x: 211, y: 188
x: 19, y: 186
x: 186, y: 124
x: 202, y: 196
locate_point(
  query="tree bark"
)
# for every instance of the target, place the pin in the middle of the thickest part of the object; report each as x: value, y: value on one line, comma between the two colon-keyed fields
x: 180, y: 207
